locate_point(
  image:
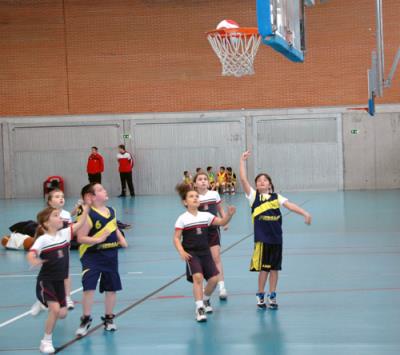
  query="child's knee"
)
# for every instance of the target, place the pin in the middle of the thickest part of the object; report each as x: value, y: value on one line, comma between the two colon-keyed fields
x: 198, y: 279
x: 62, y: 313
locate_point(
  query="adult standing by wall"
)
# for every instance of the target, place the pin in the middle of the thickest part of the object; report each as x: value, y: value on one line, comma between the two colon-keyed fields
x: 125, y: 161
x: 95, y: 166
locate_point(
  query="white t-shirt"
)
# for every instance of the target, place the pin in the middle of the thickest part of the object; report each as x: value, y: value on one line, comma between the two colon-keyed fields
x: 46, y: 241
x: 252, y: 195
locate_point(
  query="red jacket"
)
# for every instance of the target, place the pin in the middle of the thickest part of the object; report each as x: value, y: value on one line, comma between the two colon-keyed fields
x: 95, y: 164
x: 125, y: 162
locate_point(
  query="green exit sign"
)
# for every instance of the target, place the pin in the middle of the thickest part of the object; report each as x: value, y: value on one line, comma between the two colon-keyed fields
x: 126, y: 136
x: 354, y: 131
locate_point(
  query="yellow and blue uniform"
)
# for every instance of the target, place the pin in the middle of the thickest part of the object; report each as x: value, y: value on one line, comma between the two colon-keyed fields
x: 101, y: 259
x: 267, y: 221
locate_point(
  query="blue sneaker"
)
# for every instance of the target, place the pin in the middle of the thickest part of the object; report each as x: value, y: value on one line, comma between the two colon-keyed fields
x: 260, y: 300
x: 272, y: 301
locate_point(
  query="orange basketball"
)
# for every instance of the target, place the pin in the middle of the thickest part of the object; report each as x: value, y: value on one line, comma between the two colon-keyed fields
x: 28, y: 242
x: 4, y: 240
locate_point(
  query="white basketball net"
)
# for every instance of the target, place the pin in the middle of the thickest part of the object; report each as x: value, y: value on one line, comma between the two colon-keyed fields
x: 236, y: 51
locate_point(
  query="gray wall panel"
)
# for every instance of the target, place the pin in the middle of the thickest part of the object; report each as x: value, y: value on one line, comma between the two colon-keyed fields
x: 43, y: 151
x: 372, y: 157
x: 300, y: 153
x: 164, y: 151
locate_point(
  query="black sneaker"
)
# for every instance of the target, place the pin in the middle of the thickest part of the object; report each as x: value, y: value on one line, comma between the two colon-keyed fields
x: 122, y: 195
x: 108, y: 321
x: 83, y: 329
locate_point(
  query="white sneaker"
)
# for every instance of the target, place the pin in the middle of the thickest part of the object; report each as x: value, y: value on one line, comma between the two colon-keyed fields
x: 70, y: 303
x: 37, y: 307
x: 207, y: 306
x: 201, y: 314
x: 271, y: 298
x: 84, y: 326
x: 46, y: 347
x: 223, y: 294
x: 109, y: 324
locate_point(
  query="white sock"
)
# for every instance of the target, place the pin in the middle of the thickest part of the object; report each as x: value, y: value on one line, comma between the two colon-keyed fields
x: 221, y: 285
x: 48, y: 337
x: 206, y: 298
x: 199, y: 304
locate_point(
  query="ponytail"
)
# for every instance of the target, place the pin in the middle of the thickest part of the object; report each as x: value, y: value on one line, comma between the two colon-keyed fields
x: 42, y: 217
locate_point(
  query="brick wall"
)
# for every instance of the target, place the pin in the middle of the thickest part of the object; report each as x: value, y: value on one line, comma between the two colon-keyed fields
x: 119, y: 56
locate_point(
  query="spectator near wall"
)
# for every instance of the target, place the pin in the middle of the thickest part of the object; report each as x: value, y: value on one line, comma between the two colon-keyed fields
x: 125, y: 161
x: 95, y: 166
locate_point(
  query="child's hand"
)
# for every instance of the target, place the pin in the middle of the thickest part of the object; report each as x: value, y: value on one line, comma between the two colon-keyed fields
x: 185, y: 256
x: 85, y: 208
x: 245, y: 155
x: 307, y: 219
x: 103, y: 237
x: 79, y: 203
x: 36, y: 263
x: 231, y: 210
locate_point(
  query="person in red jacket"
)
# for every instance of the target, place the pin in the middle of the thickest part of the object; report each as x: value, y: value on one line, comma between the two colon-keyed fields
x: 95, y: 166
x: 126, y: 163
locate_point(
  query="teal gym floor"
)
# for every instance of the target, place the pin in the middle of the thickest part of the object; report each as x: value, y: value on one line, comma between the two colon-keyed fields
x: 338, y: 292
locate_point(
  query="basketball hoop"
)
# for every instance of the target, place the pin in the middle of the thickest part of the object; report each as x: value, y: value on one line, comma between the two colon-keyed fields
x: 236, y: 49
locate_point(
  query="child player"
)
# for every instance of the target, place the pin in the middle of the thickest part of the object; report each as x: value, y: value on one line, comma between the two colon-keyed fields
x: 100, y: 240
x: 267, y: 220
x: 191, y: 241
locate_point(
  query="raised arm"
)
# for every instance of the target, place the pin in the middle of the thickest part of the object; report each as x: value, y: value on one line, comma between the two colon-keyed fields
x: 296, y: 209
x: 225, y: 220
x: 178, y: 245
x: 82, y: 220
x: 242, y: 173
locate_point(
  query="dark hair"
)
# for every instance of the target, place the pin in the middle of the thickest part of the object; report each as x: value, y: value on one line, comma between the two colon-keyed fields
x: 198, y: 174
x: 183, y: 190
x: 95, y: 148
x: 87, y: 189
x: 42, y: 217
x: 209, y: 168
x: 198, y: 170
x: 229, y: 169
x: 221, y: 167
x: 185, y: 172
x: 268, y: 178
x: 122, y: 146
x: 51, y: 193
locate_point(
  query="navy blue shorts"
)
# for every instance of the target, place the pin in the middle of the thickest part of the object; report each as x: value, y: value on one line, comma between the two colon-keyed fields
x: 51, y: 291
x: 109, y: 280
x: 203, y: 264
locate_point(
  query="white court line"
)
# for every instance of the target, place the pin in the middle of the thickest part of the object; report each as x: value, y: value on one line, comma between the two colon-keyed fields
x: 12, y: 320
x: 134, y: 272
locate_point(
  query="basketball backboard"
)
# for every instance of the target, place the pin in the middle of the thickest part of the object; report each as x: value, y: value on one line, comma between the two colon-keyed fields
x: 281, y: 26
